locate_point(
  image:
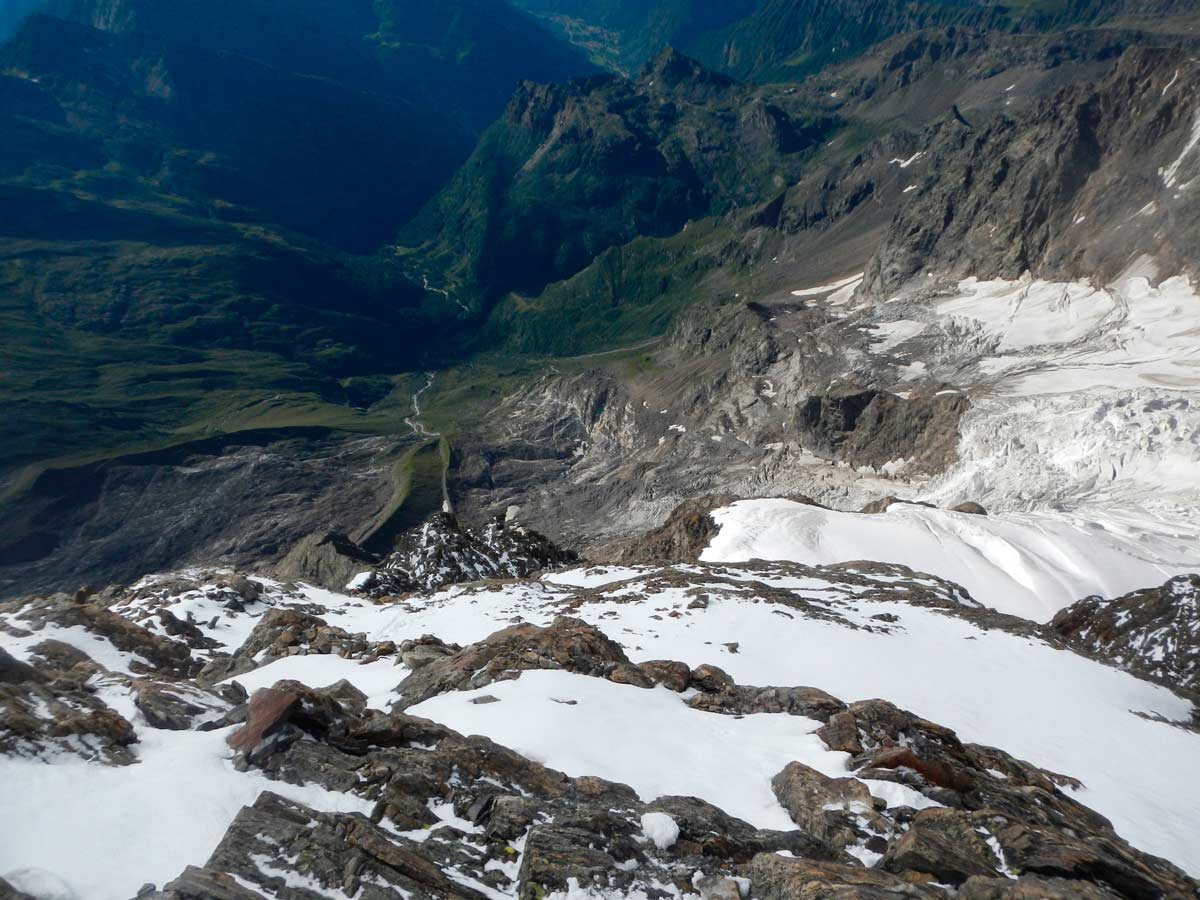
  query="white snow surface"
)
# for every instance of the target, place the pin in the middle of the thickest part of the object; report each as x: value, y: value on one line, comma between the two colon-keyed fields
x: 648, y: 739
x: 661, y: 829
x: 849, y: 281
x: 1058, y: 338
x: 596, y: 576
x: 1085, y: 404
x: 1026, y: 564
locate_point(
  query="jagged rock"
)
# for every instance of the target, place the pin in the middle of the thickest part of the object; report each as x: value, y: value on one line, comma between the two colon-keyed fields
x: 777, y: 878
x: 395, y: 729
x: 943, y: 843
x: 220, y: 668
x: 151, y: 653
x: 822, y: 806
x: 451, y: 816
x: 971, y: 508
x: 568, y: 644
x: 841, y: 733
x: 278, y: 630
x: 554, y: 855
x: 202, y: 884
x: 49, y: 707
x: 1007, y: 191
x: 936, y: 771
x: 37, y: 718
x: 708, y: 831
x: 1058, y: 853
x: 288, y: 632
x: 275, y: 837
x: 893, y: 738
x: 1153, y: 633
x: 443, y: 551
x: 627, y: 673
x: 883, y: 504
x: 425, y: 650
x: 180, y: 706
x: 59, y: 656
x: 742, y: 700
x: 266, y: 714
x: 872, y: 428
x: 689, y: 529
x: 187, y: 632
x: 13, y: 671
x: 711, y: 679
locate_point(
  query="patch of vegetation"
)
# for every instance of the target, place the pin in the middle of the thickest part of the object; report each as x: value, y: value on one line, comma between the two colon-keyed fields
x: 629, y: 294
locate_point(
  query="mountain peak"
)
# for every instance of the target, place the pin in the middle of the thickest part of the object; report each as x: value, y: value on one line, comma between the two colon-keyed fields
x: 670, y: 67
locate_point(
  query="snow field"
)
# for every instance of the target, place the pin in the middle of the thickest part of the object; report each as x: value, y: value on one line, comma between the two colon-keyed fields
x: 1029, y: 565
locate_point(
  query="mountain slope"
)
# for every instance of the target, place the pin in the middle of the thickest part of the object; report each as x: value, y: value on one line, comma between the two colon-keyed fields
x: 192, y: 195
x: 788, y: 39
x: 571, y: 171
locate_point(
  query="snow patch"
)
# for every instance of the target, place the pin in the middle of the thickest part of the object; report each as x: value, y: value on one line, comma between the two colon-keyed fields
x: 661, y: 829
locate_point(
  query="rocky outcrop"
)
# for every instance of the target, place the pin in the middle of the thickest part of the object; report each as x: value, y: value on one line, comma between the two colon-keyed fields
x: 874, y: 428
x: 689, y: 529
x: 945, y: 844
x: 776, y: 878
x: 151, y: 652
x: 289, y: 632
x: 1153, y: 633
x: 1011, y: 195
x: 51, y: 709
x: 568, y: 644
x: 827, y: 808
x: 329, y: 560
x: 443, y: 815
x: 443, y: 551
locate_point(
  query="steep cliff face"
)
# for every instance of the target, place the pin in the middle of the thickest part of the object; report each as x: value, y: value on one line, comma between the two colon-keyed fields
x: 570, y: 171
x: 1095, y: 179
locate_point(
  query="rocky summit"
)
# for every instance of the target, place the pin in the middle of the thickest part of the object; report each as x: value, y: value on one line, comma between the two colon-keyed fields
x: 599, y: 449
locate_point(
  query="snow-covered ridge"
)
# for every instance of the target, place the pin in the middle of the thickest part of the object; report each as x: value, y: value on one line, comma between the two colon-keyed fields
x: 1027, y: 564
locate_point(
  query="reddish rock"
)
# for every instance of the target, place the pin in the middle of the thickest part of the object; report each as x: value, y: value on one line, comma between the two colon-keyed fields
x: 268, y: 709
x: 934, y: 771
